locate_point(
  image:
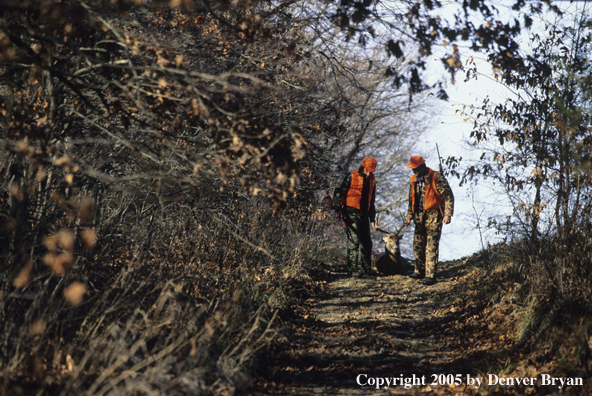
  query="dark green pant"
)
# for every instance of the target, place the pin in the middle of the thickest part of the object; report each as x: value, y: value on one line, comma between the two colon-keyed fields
x: 358, y: 239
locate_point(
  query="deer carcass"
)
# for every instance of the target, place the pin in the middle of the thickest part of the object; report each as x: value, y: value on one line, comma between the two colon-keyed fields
x: 390, y: 262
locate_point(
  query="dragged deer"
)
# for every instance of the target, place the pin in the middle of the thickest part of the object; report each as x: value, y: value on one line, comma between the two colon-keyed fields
x: 390, y: 262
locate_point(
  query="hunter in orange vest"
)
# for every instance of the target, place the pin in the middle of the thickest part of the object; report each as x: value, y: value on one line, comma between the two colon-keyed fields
x: 353, y: 201
x: 431, y: 204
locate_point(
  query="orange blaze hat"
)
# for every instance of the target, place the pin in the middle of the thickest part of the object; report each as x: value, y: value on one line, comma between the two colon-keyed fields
x: 415, y: 161
x: 369, y: 164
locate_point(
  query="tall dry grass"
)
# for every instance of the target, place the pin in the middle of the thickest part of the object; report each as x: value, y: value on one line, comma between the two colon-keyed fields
x: 177, y: 302
x: 548, y: 281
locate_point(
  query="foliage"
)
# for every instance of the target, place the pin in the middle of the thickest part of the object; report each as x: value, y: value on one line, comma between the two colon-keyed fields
x: 378, y: 72
x: 118, y: 322
x: 537, y: 143
x: 478, y: 23
x: 536, y: 146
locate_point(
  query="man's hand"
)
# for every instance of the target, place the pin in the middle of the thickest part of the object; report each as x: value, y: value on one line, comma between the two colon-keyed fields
x: 407, y: 222
x: 373, y: 224
x: 446, y: 220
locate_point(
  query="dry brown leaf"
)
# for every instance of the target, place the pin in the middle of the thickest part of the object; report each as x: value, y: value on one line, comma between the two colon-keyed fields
x: 50, y: 242
x: 70, y: 364
x: 62, y: 161
x: 17, y: 192
x: 87, y: 207
x: 41, y: 175
x: 42, y: 121
x: 22, y: 146
x: 37, y: 327
x: 66, y: 239
x: 24, y: 276
x: 209, y: 329
x: 193, y: 352
x: 74, y: 293
x: 89, y: 238
x: 59, y: 263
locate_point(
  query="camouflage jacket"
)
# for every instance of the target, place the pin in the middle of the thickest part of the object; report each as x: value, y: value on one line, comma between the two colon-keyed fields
x: 341, y: 192
x: 443, y: 188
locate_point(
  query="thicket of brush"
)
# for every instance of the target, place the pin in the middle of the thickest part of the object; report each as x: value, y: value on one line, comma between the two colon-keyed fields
x: 169, y: 301
x: 156, y: 204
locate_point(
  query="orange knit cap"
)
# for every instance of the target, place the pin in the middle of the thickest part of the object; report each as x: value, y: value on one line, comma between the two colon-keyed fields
x: 369, y: 164
x: 415, y: 161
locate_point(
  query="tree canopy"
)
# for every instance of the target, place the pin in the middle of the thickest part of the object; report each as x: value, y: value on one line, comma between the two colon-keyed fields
x: 537, y: 143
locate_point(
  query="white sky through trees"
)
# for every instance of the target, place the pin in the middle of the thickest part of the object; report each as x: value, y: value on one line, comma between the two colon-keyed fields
x: 474, y: 204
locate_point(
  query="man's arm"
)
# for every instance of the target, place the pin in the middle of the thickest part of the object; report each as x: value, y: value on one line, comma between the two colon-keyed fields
x: 341, y: 192
x: 446, y: 192
x: 372, y: 211
x: 409, y: 215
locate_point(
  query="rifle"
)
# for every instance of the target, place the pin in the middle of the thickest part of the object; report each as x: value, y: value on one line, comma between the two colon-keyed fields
x: 439, y: 158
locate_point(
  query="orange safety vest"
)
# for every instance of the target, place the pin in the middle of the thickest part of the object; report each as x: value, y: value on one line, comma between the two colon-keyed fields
x: 354, y: 194
x: 432, y: 198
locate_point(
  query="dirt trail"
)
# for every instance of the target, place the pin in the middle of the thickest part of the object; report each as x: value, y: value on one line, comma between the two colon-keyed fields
x: 378, y: 327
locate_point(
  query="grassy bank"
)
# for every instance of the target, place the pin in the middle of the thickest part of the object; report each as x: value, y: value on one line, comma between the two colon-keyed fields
x: 530, y: 302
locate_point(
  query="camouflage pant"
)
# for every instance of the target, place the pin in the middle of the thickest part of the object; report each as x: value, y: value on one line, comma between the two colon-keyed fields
x: 426, y: 242
x: 358, y: 238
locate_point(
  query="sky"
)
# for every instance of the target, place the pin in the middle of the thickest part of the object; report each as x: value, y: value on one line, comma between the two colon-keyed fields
x: 473, y: 204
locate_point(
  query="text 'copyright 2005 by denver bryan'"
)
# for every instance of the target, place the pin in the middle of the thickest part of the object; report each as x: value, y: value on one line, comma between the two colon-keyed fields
x: 466, y: 379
